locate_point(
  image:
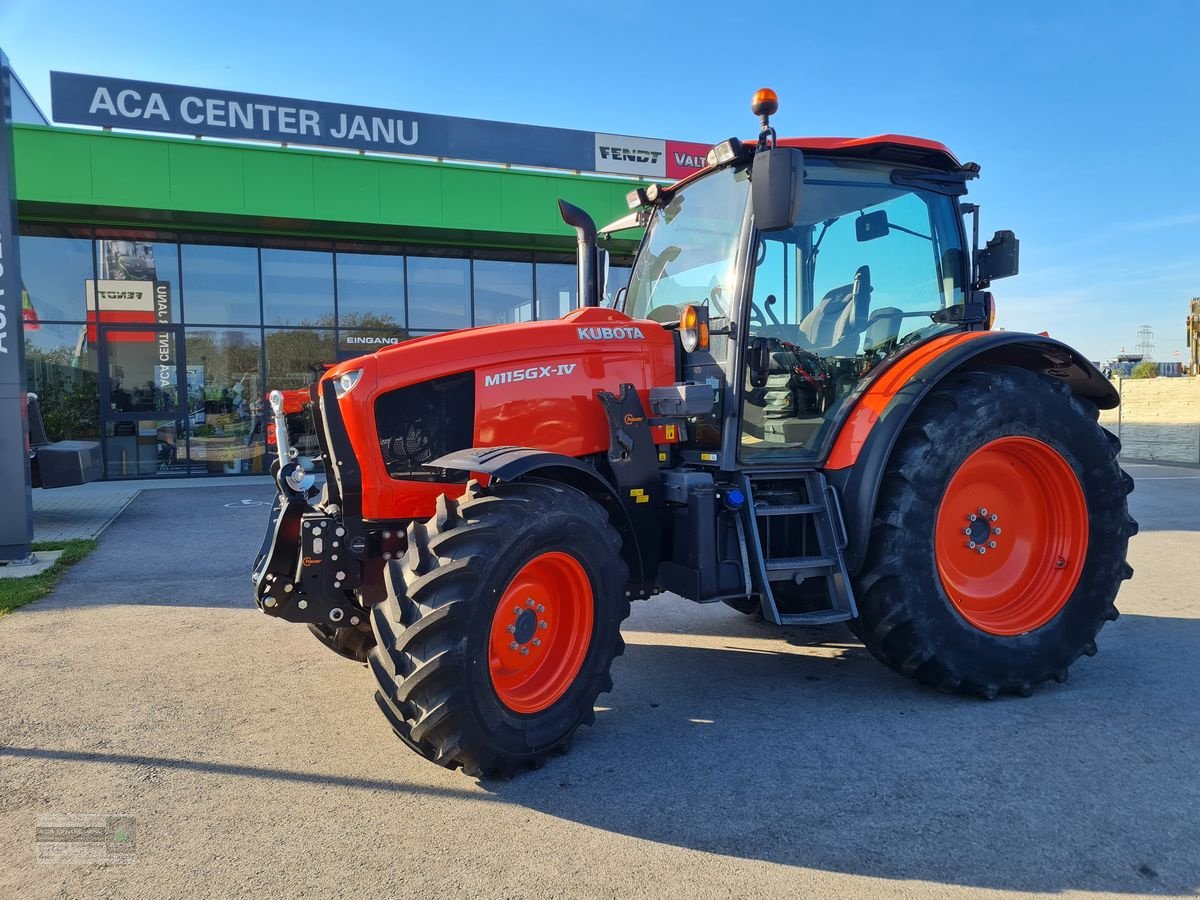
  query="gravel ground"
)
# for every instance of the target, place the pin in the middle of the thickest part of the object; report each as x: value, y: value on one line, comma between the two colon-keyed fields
x: 733, y: 758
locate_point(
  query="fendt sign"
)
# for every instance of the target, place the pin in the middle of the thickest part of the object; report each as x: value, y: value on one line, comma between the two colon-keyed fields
x: 176, y: 109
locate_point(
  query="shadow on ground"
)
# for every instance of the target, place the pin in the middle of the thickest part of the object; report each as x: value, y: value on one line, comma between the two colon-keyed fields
x: 830, y: 762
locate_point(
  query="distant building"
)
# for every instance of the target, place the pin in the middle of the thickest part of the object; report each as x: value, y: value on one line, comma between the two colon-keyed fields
x: 1193, y: 335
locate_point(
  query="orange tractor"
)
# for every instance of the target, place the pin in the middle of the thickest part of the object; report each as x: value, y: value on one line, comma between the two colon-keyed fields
x: 796, y: 408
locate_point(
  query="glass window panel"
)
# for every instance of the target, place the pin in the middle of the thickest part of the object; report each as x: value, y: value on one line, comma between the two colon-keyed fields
x: 226, y: 400
x: 55, y: 272
x: 618, y: 280
x: 220, y: 284
x: 370, y: 289
x: 439, y: 292
x: 134, y: 259
x: 297, y: 287
x: 296, y: 358
x: 61, y: 368
x: 503, y: 292
x: 145, y: 447
x: 557, y: 293
x: 356, y: 342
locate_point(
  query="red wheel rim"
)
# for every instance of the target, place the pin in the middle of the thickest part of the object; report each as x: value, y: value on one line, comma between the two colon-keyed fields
x: 1011, y: 535
x: 540, y: 632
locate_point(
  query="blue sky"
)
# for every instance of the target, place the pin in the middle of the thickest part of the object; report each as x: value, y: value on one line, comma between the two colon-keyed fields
x: 1084, y: 116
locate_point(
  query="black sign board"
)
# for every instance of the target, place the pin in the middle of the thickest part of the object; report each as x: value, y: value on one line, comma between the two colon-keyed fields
x: 175, y: 109
x: 16, y: 510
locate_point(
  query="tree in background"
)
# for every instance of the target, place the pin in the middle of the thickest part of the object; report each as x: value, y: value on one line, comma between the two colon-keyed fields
x: 1145, y: 369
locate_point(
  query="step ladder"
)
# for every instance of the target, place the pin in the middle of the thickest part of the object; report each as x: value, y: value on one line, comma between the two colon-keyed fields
x: 821, y: 508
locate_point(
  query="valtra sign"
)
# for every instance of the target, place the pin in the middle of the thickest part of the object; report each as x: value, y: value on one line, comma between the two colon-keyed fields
x: 176, y: 109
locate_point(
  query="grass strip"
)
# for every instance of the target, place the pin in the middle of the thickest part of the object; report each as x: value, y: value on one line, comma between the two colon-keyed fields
x: 16, y: 592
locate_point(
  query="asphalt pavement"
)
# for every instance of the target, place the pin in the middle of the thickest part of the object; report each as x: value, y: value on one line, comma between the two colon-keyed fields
x: 732, y: 759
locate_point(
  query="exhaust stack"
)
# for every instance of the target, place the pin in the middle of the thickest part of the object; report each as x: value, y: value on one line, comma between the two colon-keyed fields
x: 587, y: 258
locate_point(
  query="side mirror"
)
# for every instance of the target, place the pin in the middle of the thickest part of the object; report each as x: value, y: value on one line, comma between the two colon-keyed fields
x: 759, y: 358
x: 999, y: 259
x: 870, y: 226
x: 775, y: 187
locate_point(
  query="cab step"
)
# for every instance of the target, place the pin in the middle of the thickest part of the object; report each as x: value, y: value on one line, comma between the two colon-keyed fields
x: 790, y: 509
x: 815, y: 617
x: 811, y: 508
x: 786, y: 567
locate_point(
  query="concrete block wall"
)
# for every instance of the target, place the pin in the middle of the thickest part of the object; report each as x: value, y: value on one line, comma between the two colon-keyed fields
x: 1159, y: 419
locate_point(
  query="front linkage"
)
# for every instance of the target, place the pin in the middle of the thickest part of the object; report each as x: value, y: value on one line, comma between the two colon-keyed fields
x: 312, y: 560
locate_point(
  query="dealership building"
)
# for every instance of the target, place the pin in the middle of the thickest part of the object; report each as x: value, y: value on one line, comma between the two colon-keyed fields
x: 184, y: 250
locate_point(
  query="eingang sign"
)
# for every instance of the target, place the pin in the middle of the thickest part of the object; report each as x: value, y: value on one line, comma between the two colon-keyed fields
x: 176, y: 109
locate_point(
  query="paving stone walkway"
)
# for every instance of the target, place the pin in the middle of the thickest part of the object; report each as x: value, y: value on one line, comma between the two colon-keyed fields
x: 73, y: 513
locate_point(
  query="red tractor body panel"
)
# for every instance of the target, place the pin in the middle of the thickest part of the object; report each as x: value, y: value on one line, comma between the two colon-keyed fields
x: 535, y: 386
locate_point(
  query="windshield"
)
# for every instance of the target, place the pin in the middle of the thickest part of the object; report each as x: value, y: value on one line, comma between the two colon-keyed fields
x: 690, y: 250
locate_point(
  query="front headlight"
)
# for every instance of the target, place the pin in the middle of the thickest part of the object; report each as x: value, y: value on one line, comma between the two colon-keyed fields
x: 345, y: 383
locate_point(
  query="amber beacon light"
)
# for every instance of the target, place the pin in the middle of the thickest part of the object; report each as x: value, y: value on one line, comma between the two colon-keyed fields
x: 765, y: 102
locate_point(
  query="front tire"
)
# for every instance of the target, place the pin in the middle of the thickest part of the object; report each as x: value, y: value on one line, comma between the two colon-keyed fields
x: 500, y: 625
x: 999, y: 538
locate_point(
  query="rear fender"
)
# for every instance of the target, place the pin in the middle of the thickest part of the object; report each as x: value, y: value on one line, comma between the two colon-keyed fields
x: 860, y: 454
x: 512, y: 463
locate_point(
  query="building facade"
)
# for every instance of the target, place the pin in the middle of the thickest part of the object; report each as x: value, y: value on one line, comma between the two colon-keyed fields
x: 170, y: 283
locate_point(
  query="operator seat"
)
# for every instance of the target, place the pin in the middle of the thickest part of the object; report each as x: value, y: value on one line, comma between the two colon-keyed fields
x: 833, y: 326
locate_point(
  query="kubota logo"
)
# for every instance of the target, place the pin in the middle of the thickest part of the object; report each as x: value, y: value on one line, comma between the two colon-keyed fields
x: 620, y: 333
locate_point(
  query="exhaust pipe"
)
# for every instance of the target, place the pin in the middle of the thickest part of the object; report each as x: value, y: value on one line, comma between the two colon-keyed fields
x: 587, y: 257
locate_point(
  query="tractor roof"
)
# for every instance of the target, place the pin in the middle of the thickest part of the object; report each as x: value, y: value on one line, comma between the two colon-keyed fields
x: 899, y: 148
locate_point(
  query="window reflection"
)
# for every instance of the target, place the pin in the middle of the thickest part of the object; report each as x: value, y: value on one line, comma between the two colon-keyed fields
x: 557, y: 290
x: 503, y: 292
x: 225, y: 400
x: 370, y: 287
x: 55, y: 272
x: 220, y: 284
x: 439, y: 292
x: 297, y: 287
x: 61, y: 368
x: 297, y: 357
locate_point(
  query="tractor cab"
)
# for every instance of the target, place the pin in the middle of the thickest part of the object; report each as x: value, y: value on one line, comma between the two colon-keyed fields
x: 865, y: 257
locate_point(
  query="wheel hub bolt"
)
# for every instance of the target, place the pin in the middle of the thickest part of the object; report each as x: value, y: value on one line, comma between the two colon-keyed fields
x: 512, y: 629
x: 543, y: 624
x: 993, y: 517
x: 541, y: 608
x: 972, y: 517
x: 992, y: 544
x: 512, y: 646
x: 983, y: 549
x: 966, y: 531
x: 537, y: 642
x: 983, y: 510
x: 524, y: 651
x: 530, y: 603
x: 996, y: 530
x: 970, y: 545
x: 516, y: 610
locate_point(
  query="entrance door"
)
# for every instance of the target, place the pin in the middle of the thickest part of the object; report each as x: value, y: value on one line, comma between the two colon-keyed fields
x: 144, y: 401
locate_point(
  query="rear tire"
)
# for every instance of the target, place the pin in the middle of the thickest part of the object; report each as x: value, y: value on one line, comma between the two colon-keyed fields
x: 932, y: 604
x: 532, y: 563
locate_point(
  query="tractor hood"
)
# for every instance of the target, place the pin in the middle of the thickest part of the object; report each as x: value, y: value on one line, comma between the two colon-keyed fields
x: 529, y: 384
